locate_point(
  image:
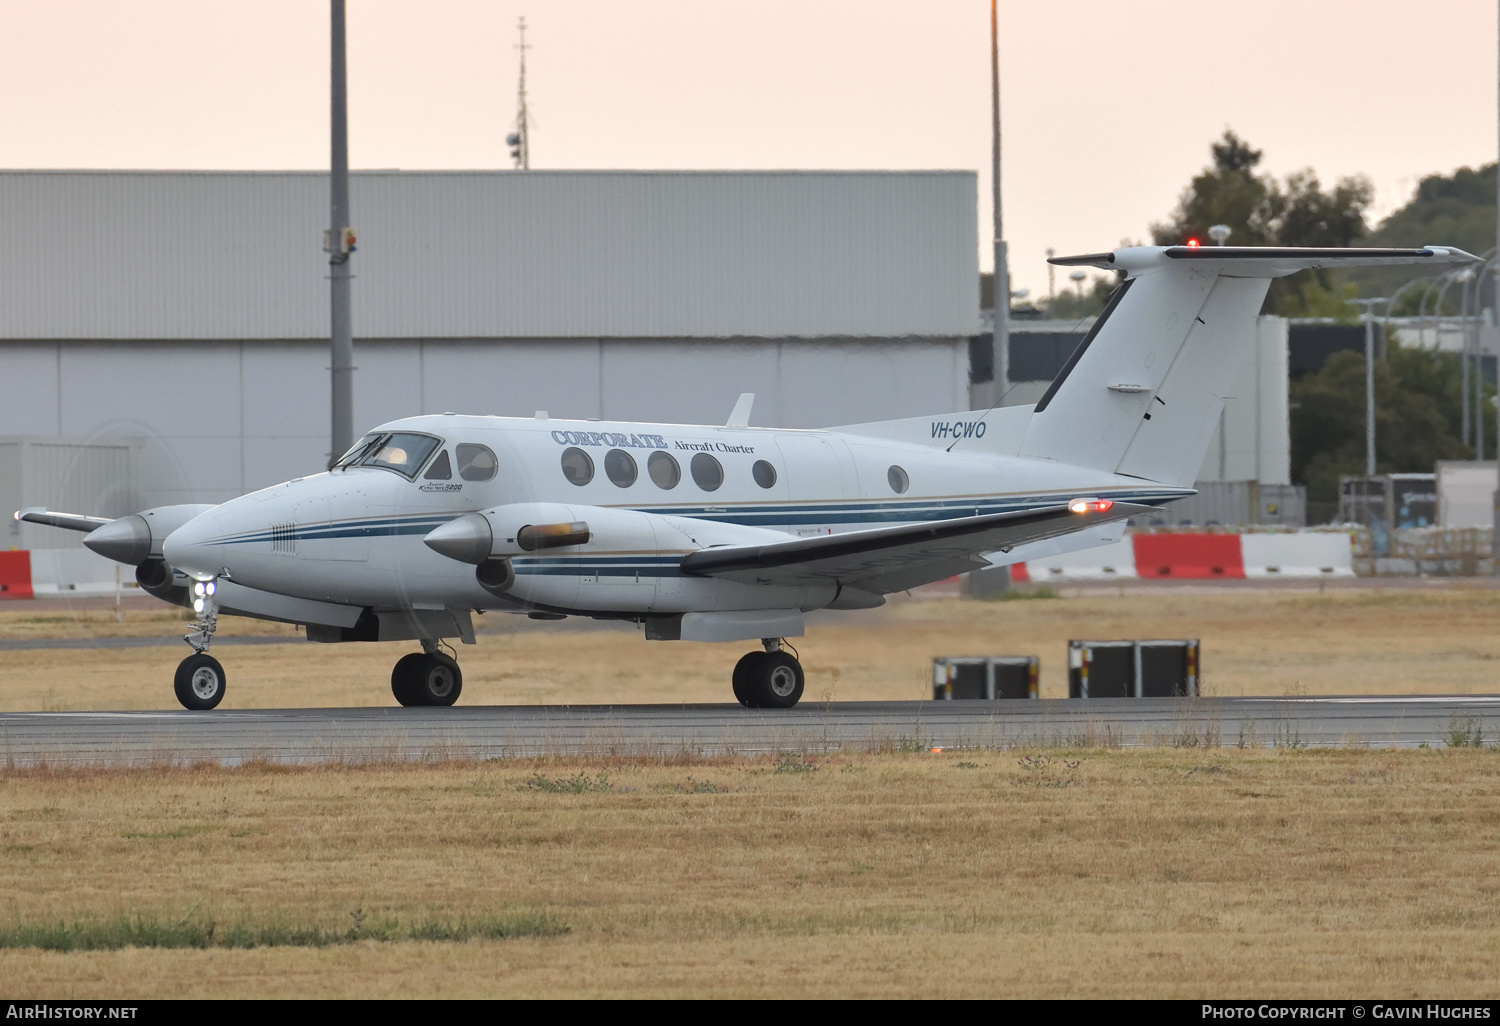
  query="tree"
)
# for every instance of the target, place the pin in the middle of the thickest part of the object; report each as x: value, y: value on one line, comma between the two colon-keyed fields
x: 1260, y: 211
x: 1228, y: 192
x: 1446, y: 210
x: 1068, y: 305
x: 1418, y: 412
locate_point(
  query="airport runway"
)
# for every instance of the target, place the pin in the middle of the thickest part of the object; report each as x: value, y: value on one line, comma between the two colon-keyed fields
x: 357, y: 735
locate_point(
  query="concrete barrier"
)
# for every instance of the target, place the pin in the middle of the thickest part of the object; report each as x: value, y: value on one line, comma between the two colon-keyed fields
x: 76, y: 572
x: 1189, y: 555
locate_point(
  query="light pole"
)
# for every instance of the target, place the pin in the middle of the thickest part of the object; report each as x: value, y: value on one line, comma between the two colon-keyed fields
x: 1220, y: 234
x: 1465, y: 277
x: 1001, y: 382
x: 1051, y: 288
x: 339, y: 244
x: 1368, y: 306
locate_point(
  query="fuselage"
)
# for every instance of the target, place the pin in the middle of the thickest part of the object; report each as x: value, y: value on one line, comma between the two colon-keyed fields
x: 651, y: 494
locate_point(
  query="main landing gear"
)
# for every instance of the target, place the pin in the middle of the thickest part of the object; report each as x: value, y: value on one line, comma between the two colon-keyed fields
x: 427, y: 677
x: 199, y: 682
x: 769, y: 680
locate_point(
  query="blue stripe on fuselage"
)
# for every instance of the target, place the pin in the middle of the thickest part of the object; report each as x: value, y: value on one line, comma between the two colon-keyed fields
x: 869, y: 513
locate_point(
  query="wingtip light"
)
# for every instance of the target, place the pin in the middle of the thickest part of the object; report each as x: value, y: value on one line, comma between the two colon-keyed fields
x: 1090, y: 505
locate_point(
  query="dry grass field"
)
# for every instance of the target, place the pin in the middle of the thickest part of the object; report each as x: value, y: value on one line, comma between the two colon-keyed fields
x: 1172, y: 873
x: 1256, y: 641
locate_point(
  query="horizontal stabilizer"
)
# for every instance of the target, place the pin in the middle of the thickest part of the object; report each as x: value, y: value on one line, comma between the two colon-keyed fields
x: 890, y: 559
x: 1261, y: 261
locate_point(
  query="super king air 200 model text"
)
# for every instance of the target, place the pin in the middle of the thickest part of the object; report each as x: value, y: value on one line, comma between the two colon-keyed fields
x: 707, y: 533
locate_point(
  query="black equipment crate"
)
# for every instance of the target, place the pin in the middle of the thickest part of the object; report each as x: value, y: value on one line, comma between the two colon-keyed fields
x: 984, y: 677
x: 1133, y: 669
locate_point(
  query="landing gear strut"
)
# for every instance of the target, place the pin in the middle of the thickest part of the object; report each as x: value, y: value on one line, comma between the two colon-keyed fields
x: 200, y: 680
x: 427, y: 677
x: 768, y: 680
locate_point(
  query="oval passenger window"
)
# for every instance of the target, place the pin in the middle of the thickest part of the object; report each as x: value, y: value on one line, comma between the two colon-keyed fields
x: 664, y: 471
x: 707, y: 472
x: 619, y: 467
x: 764, y: 473
x: 576, y: 466
x: 476, y: 462
x: 898, y: 479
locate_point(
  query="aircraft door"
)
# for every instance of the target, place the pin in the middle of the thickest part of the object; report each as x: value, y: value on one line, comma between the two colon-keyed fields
x: 821, y: 484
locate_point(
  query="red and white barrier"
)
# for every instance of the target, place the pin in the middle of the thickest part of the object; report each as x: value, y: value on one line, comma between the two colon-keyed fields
x: 1196, y: 556
x: 15, y: 574
x: 43, y: 573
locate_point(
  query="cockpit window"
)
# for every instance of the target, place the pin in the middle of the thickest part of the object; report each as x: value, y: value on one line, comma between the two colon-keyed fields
x: 476, y: 462
x: 441, y: 469
x: 404, y: 453
x: 360, y: 450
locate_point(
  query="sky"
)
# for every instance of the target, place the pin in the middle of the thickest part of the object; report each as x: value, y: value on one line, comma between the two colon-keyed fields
x: 1108, y: 108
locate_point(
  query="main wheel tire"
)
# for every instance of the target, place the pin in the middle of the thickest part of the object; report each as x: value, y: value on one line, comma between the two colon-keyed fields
x: 199, y: 682
x: 404, y: 684
x: 776, y: 682
x: 745, y: 672
x: 438, y: 680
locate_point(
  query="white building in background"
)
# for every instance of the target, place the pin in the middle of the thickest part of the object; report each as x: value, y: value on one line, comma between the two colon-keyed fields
x: 187, y: 313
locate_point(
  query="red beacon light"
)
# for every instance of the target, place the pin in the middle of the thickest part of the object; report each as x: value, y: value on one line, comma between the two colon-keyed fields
x: 1090, y: 505
x: 1194, y: 243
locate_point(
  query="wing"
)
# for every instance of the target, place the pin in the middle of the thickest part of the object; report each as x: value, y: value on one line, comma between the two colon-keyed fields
x: 890, y: 559
x: 67, y: 521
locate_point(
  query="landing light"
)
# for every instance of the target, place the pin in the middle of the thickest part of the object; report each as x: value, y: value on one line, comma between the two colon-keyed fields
x: 1090, y: 505
x: 197, y: 605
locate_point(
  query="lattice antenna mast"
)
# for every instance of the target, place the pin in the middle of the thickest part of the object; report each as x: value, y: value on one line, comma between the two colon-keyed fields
x: 519, y: 140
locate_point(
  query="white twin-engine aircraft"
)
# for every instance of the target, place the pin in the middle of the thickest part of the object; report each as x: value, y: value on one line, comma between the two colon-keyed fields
x: 708, y: 533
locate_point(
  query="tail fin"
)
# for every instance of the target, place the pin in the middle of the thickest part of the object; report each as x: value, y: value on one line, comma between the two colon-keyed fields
x: 1140, y: 394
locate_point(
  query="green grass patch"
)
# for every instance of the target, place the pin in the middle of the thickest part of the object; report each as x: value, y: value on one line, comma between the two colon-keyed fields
x: 579, y: 783
x: 206, y: 932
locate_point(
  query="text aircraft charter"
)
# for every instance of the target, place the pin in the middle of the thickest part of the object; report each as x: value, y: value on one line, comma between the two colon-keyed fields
x: 718, y: 533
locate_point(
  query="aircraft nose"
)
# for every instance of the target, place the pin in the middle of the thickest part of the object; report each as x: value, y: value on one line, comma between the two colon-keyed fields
x: 467, y: 539
x: 127, y: 540
x: 191, y: 547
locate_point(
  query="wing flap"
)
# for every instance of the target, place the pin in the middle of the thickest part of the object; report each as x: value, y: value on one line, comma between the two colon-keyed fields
x: 890, y: 559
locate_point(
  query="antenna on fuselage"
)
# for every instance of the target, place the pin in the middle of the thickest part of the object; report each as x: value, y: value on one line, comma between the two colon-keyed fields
x: 740, y: 416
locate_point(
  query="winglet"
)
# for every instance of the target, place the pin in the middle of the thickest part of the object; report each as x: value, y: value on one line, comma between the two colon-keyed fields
x: 740, y: 416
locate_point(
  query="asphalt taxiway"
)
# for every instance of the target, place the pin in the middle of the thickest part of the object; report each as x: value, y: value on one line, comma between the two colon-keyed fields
x: 233, y: 736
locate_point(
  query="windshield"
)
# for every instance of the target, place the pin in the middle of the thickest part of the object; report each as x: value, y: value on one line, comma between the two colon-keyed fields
x: 402, y: 452
x: 360, y: 450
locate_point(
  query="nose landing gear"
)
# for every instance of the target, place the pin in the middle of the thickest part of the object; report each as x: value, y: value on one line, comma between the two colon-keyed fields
x: 427, y: 677
x: 200, y: 680
x: 768, y: 680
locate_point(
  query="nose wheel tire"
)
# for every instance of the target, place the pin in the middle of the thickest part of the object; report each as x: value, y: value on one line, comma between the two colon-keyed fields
x: 422, y: 679
x: 768, y: 680
x: 199, y: 682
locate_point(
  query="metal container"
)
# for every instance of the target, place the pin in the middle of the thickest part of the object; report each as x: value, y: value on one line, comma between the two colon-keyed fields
x: 984, y: 677
x: 1133, y: 669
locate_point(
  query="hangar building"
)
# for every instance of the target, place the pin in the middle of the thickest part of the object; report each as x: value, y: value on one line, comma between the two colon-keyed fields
x: 179, y: 320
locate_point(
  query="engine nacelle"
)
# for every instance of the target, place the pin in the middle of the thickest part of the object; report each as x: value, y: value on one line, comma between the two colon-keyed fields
x: 489, y: 539
x: 135, y: 539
